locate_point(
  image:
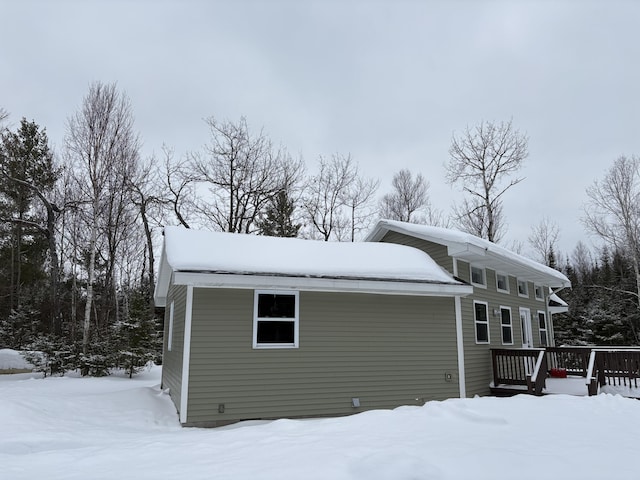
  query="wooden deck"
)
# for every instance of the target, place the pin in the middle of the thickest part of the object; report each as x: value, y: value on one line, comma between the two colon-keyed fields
x: 566, y: 370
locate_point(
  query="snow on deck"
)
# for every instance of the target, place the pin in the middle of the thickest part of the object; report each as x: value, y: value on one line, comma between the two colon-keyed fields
x: 193, y: 250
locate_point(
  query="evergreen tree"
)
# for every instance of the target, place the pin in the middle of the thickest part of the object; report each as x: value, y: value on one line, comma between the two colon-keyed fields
x: 278, y: 219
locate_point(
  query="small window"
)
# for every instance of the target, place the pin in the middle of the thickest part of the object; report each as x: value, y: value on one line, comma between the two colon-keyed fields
x: 502, y: 282
x: 481, y: 316
x: 542, y: 320
x: 478, y: 276
x: 507, y: 327
x: 275, y: 319
x: 523, y: 288
x: 539, y: 292
x: 170, y: 334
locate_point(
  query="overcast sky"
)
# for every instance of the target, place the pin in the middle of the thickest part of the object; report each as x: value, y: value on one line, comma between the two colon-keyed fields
x: 388, y: 82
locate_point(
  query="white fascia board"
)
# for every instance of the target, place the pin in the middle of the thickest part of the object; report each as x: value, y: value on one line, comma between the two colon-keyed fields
x: 222, y: 280
x: 164, y: 279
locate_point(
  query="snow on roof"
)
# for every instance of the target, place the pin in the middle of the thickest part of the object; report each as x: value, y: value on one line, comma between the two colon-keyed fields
x: 187, y: 250
x: 193, y: 250
x: 472, y: 248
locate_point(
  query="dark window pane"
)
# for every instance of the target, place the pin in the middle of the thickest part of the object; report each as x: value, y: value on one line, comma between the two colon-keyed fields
x: 506, y: 335
x: 482, y: 332
x: 481, y: 312
x: 276, y: 332
x: 543, y: 320
x: 502, y: 282
x: 506, y: 317
x: 543, y: 338
x: 276, y: 306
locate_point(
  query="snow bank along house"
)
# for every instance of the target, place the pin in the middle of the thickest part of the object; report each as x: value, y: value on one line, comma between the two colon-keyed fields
x: 260, y: 327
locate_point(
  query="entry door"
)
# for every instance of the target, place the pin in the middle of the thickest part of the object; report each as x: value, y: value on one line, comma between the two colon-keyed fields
x: 525, y: 323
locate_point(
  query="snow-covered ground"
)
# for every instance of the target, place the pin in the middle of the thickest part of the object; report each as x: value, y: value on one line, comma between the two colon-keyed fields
x: 105, y: 428
x: 12, y: 360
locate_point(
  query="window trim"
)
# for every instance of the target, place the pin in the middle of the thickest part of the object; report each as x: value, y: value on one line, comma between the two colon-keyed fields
x: 537, y: 286
x: 526, y: 285
x: 506, y: 275
x: 502, y: 307
x: 295, y: 320
x: 476, y: 322
x: 484, y: 276
x: 545, y: 329
x: 170, y: 332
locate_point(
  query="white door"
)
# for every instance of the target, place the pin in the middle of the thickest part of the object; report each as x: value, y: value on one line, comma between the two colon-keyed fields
x: 525, y: 323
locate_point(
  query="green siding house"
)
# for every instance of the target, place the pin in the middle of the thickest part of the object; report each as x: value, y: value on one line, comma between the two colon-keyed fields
x: 259, y: 327
x: 512, y: 302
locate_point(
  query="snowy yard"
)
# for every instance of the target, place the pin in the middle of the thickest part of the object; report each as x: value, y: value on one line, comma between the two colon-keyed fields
x: 105, y: 428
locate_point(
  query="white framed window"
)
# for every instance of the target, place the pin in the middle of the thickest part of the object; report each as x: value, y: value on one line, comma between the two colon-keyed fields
x: 478, y: 276
x: 523, y: 288
x: 275, y: 319
x: 542, y: 323
x: 539, y: 292
x: 502, y: 282
x: 170, y: 333
x: 506, y: 325
x: 481, y: 318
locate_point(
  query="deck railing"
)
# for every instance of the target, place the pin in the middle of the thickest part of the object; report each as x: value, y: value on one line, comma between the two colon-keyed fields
x: 574, y: 360
x: 526, y: 367
x: 615, y: 367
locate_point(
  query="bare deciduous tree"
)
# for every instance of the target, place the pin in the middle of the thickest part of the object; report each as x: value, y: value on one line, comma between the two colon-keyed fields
x: 409, y: 200
x: 483, y: 160
x: 358, y: 200
x: 543, y: 239
x: 179, y: 181
x: 243, y: 173
x: 613, y: 211
x: 324, y: 194
x: 103, y: 147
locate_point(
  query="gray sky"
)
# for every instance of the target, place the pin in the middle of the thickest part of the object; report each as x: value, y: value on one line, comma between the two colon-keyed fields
x: 387, y: 81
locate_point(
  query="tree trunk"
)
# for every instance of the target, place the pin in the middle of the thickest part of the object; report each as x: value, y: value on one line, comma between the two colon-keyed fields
x: 87, y: 309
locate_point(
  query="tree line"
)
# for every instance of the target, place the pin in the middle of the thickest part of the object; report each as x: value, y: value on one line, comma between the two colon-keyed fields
x: 79, y: 227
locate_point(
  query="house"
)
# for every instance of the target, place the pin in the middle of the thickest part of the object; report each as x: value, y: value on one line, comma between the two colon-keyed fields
x: 261, y: 327
x: 512, y: 302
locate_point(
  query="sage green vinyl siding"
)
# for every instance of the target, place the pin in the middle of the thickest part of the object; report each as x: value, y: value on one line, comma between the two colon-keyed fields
x: 478, y: 373
x: 437, y: 252
x: 385, y: 350
x: 172, y: 360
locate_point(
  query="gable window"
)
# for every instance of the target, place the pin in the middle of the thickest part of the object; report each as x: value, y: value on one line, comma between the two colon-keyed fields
x: 275, y: 319
x: 523, y: 288
x: 542, y: 320
x: 502, y: 282
x: 170, y: 334
x: 507, y: 327
x: 539, y: 292
x: 481, y: 317
x: 478, y: 276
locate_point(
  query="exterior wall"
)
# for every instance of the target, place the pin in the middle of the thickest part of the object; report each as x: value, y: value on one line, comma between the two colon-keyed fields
x: 478, y: 373
x: 172, y: 360
x: 477, y: 356
x: 385, y: 350
x: 434, y: 250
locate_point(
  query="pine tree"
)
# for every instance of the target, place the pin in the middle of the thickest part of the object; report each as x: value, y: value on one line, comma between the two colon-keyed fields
x: 278, y: 221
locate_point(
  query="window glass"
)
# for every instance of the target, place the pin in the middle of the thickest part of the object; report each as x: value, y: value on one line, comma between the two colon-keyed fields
x: 477, y: 275
x: 507, y: 330
x: 275, y: 323
x: 482, y: 322
x: 276, y: 306
x: 523, y: 288
x: 542, y: 319
x: 502, y: 282
x: 539, y: 292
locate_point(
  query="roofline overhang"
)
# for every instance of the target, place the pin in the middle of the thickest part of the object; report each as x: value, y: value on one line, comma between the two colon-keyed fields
x: 318, y: 284
x: 475, y: 254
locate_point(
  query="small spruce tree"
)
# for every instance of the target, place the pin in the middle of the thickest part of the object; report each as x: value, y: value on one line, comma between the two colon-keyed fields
x: 278, y: 221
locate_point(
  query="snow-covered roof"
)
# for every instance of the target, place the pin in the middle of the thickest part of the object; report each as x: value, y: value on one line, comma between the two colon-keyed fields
x: 472, y: 249
x: 220, y: 258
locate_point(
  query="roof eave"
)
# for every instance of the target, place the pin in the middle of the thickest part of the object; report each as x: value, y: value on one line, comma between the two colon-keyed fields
x: 388, y: 287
